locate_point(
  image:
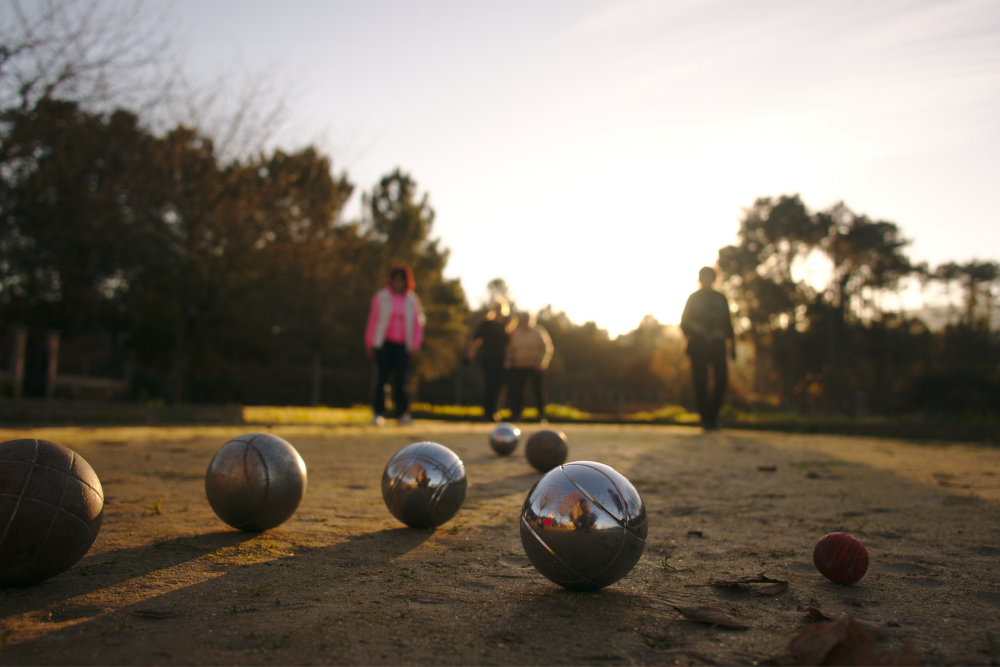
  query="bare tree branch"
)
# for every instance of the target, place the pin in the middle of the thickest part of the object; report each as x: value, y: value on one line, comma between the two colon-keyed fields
x: 107, y: 54
x: 98, y: 53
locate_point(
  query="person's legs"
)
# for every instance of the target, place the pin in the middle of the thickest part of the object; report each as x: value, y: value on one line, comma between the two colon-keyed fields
x: 502, y: 391
x: 699, y: 374
x: 720, y: 373
x: 515, y: 391
x: 538, y: 386
x: 380, y: 374
x: 401, y: 375
x: 492, y: 378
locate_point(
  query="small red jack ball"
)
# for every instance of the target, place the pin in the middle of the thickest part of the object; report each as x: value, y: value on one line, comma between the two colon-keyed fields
x: 841, y: 558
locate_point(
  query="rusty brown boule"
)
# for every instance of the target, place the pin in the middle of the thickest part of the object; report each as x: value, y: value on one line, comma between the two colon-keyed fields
x: 51, y: 506
x: 546, y: 449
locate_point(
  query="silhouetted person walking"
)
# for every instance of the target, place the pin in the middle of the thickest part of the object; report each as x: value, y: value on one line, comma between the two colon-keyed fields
x: 707, y: 324
x: 491, y: 341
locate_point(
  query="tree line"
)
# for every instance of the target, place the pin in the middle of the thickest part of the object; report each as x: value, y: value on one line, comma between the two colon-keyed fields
x: 839, y: 348
x: 198, y: 267
x: 241, y: 281
x: 222, y: 274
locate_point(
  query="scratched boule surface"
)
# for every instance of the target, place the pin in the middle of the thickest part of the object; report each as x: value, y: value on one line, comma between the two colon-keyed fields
x: 343, y: 582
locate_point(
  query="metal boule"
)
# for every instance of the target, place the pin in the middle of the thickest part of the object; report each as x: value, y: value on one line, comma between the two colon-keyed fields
x: 503, y: 439
x: 546, y: 449
x: 583, y: 526
x: 51, y: 507
x: 424, y: 484
x: 256, y: 481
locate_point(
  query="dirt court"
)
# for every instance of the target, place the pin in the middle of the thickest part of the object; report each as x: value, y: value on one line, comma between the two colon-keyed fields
x: 343, y: 582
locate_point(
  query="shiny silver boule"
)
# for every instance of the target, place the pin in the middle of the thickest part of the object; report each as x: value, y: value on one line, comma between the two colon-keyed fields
x: 503, y: 439
x: 583, y: 526
x: 424, y: 484
x: 255, y: 481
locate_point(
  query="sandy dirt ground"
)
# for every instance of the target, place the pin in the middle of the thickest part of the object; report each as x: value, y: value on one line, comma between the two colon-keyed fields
x: 343, y: 582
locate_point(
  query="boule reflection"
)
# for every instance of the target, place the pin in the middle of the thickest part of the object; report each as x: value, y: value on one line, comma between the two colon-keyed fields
x: 503, y: 439
x: 256, y: 481
x: 424, y: 484
x: 583, y: 526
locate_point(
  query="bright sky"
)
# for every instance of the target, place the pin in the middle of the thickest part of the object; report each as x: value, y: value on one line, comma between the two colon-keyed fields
x: 596, y: 154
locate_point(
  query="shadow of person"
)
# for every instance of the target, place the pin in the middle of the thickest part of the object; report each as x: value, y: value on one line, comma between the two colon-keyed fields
x: 389, y: 543
x: 499, y: 488
x: 515, y: 625
x: 256, y: 596
x: 110, y: 569
x: 490, y: 458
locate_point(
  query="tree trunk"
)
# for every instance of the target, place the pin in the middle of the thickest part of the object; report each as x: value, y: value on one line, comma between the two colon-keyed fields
x: 880, y: 392
x: 792, y: 367
x: 178, y: 360
x: 18, y: 348
x: 833, y: 389
x: 51, y: 363
x: 317, y: 378
x: 758, y: 363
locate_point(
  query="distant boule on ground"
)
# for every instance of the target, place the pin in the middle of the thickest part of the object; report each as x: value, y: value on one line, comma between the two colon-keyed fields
x: 424, y: 484
x: 546, y: 449
x: 841, y: 558
x: 51, y: 506
x: 256, y: 481
x: 583, y: 526
x: 503, y: 439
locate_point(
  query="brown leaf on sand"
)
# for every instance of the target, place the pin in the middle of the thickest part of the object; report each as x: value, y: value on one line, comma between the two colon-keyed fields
x: 712, y: 614
x: 776, y: 587
x: 759, y: 578
x: 843, y: 641
x: 876, y: 630
x: 813, y: 614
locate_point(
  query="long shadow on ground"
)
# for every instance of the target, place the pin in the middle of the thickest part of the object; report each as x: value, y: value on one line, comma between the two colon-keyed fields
x: 110, y: 569
x: 250, y: 608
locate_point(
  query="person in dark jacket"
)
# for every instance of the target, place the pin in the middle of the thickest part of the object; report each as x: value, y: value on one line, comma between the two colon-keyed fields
x: 490, y: 340
x: 709, y: 328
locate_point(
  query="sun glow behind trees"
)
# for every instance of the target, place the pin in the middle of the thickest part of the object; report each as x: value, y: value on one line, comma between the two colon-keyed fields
x: 614, y: 147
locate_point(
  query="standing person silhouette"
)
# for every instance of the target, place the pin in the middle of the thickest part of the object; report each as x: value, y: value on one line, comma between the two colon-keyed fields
x: 528, y: 356
x: 491, y: 341
x: 708, y: 326
x: 393, y: 337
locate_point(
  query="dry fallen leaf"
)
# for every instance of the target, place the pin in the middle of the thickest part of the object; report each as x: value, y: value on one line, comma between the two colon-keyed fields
x: 759, y: 578
x: 777, y: 586
x: 843, y: 641
x: 876, y: 630
x: 712, y: 614
x: 816, y: 475
x: 774, y: 589
x: 813, y: 614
